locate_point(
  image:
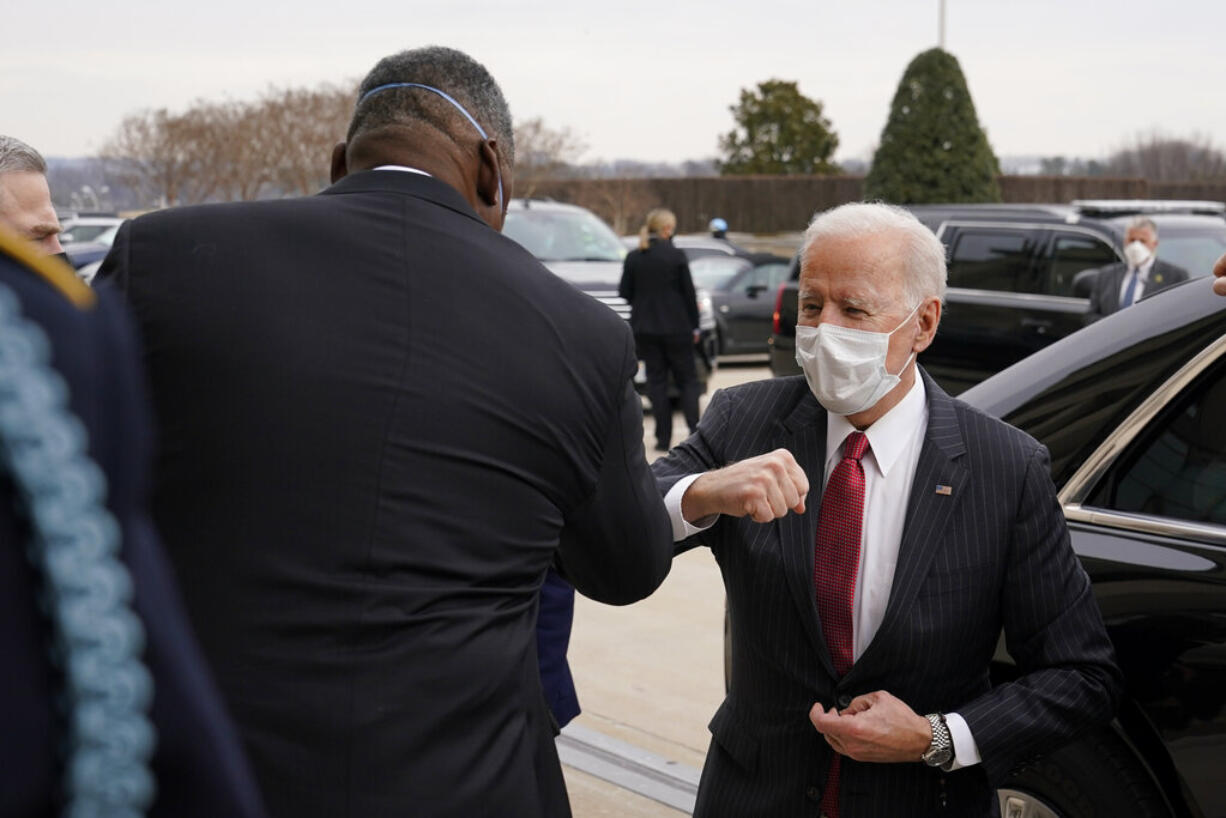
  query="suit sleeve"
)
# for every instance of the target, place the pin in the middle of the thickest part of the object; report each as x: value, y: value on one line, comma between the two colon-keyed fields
x: 1053, y: 629
x: 687, y: 291
x: 1096, y: 297
x: 625, y: 288
x: 617, y: 547
x: 700, y: 452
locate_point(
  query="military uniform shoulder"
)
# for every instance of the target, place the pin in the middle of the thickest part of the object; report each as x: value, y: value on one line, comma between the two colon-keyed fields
x: 17, y: 257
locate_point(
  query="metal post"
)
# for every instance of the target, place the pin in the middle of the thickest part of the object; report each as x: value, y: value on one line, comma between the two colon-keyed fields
x: 941, y: 37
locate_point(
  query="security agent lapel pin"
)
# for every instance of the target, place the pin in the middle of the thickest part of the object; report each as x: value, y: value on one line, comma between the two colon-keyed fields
x: 945, y: 490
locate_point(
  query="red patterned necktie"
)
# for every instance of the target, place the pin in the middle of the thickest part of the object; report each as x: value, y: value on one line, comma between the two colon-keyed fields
x: 835, y: 565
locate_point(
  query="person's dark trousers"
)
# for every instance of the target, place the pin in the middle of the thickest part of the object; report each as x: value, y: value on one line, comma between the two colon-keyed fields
x: 661, y: 355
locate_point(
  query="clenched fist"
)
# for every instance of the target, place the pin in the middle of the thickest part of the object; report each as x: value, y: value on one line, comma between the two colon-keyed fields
x: 764, y: 488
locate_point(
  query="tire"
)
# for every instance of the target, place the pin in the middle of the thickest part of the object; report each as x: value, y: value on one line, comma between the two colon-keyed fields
x: 1094, y: 777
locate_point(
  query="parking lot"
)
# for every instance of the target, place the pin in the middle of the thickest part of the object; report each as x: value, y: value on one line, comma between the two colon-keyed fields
x: 650, y: 675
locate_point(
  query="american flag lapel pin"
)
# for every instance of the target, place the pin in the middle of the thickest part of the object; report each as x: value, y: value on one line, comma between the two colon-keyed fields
x: 945, y: 490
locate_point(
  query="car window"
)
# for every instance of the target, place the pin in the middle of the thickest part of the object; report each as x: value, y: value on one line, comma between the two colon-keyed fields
x: 1177, y: 469
x: 716, y: 272
x: 563, y: 235
x: 983, y: 259
x: 769, y: 276
x: 1195, y: 254
x: 1070, y: 254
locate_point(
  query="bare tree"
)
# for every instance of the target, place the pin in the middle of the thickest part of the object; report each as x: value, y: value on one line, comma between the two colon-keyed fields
x: 299, y: 128
x: 166, y: 155
x: 1160, y: 158
x: 543, y: 153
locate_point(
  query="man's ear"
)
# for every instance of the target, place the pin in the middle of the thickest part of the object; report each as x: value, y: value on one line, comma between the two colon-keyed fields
x: 340, y: 165
x: 489, y: 176
x: 929, y: 319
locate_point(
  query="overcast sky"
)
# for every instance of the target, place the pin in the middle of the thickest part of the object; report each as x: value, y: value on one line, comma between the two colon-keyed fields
x: 650, y: 81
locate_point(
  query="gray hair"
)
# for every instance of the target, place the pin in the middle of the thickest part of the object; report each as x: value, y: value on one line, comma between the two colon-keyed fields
x: 924, y: 275
x: 450, y: 71
x: 18, y: 157
x: 1142, y: 223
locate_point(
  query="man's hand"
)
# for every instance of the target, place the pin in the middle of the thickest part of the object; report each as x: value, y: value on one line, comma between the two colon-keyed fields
x: 875, y: 727
x: 1219, y: 273
x: 764, y: 487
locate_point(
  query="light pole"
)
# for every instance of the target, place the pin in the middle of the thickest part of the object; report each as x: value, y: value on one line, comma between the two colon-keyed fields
x: 941, y: 28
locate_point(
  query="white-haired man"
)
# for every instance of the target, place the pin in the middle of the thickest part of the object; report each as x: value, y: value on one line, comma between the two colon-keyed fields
x: 864, y: 623
x: 25, y: 199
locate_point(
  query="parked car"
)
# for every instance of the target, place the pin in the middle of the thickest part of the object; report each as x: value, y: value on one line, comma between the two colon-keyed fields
x: 86, y: 228
x: 87, y: 253
x: 577, y: 246
x: 1133, y: 411
x: 1020, y: 276
x: 742, y: 294
x: 695, y: 246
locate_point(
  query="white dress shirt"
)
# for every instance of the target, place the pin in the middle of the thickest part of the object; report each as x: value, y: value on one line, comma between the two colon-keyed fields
x: 402, y: 168
x: 1142, y: 280
x: 889, y: 466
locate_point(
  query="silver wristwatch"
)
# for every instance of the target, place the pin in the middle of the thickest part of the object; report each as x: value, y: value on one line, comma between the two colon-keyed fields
x: 941, y: 751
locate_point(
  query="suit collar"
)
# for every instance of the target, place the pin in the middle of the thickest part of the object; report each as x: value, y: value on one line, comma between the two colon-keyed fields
x: 407, y: 184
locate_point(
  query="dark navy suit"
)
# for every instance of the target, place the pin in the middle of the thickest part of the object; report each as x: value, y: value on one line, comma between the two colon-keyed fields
x: 553, y: 626
x: 198, y: 765
x: 992, y: 553
x: 1105, y: 299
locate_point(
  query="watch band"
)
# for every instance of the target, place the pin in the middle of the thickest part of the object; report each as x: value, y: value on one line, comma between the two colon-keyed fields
x: 941, y: 750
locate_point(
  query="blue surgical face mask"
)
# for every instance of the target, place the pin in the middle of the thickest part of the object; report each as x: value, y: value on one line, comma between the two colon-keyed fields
x: 450, y: 99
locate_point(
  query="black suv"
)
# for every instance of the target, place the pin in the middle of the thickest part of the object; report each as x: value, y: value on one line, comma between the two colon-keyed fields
x: 1020, y: 276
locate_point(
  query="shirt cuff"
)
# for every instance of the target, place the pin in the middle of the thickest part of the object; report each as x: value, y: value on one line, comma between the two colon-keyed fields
x: 672, y: 501
x: 966, y: 752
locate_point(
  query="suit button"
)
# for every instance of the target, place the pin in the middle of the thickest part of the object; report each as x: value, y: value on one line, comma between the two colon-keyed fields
x: 844, y: 702
x: 814, y: 794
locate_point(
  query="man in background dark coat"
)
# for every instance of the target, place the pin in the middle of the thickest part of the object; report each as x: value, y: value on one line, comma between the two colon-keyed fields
x: 381, y: 423
x: 197, y: 764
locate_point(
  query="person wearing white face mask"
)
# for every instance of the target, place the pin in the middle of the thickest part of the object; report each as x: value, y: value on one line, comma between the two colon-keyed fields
x: 864, y: 618
x: 1141, y: 273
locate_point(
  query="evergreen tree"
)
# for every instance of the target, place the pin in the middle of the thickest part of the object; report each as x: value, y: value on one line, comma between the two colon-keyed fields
x: 932, y: 148
x: 779, y: 130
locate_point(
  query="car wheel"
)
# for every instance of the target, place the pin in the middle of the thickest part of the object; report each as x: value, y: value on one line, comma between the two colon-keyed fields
x: 1092, y: 777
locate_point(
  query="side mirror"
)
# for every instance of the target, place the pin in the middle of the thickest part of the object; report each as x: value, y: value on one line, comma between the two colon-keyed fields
x: 1083, y: 283
x: 755, y: 290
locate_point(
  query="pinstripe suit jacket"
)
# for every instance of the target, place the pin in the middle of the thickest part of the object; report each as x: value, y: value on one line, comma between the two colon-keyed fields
x: 992, y: 554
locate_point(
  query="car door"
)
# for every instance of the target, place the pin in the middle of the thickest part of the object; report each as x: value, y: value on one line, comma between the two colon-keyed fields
x: 749, y: 306
x: 1147, y: 515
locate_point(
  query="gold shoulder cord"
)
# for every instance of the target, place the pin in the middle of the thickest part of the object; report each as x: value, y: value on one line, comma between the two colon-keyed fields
x: 56, y: 273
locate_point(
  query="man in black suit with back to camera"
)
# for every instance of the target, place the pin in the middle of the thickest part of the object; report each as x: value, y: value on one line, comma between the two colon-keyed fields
x: 381, y: 423
x: 1142, y: 273
x: 864, y: 623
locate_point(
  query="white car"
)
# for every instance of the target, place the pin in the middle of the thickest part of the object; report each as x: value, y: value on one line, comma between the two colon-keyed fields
x: 86, y: 228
